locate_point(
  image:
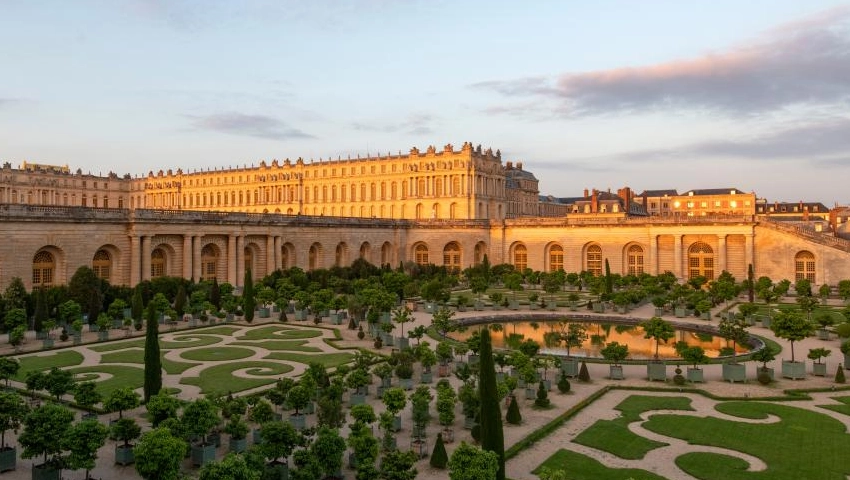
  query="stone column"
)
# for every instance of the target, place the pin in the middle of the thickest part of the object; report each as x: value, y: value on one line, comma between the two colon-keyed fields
x: 231, y: 259
x: 677, y: 256
x: 653, y: 254
x: 269, y: 254
x: 749, y: 252
x: 146, y: 257
x: 196, y: 258
x: 187, y: 256
x: 135, y: 261
x: 721, y: 254
x: 240, y: 261
x: 278, y: 244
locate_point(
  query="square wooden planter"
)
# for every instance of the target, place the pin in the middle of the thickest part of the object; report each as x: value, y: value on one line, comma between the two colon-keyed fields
x: 615, y: 372
x: 819, y: 369
x: 124, y: 455
x: 570, y: 367
x: 656, y: 371
x: 238, y: 445
x: 298, y: 421
x: 695, y: 375
x: 45, y: 472
x: 8, y: 459
x: 793, y: 370
x: 202, y: 454
x: 734, y: 372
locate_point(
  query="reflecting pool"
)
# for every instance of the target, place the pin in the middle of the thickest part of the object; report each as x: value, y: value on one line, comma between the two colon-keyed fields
x: 598, y: 334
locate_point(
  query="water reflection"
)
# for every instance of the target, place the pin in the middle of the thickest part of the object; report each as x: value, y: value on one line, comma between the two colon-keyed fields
x: 598, y: 334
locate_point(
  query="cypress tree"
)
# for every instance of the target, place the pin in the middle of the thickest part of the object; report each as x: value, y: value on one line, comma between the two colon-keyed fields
x: 492, y: 436
x: 137, y: 306
x: 439, y: 457
x: 609, y: 281
x: 839, y: 374
x: 248, y: 302
x: 542, y: 396
x: 751, y: 288
x: 153, y: 364
x: 215, y: 294
x: 513, y: 417
x: 40, y: 309
x: 180, y: 301
x: 583, y: 373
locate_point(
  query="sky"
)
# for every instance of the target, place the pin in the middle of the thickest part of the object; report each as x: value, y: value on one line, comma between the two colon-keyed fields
x: 648, y: 94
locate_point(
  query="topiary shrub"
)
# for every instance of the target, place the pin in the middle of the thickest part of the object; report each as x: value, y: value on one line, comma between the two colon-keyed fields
x: 583, y: 374
x: 839, y: 374
x: 379, y: 343
x: 513, y: 416
x: 563, y: 384
x: 542, y: 399
x: 678, y: 379
x: 439, y: 457
x: 360, y: 333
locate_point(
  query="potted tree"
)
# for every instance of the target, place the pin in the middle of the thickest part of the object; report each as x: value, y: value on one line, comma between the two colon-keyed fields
x: 818, y: 368
x: 845, y: 349
x: 764, y: 374
x: 824, y: 321
x: 261, y: 413
x: 395, y: 400
x: 238, y: 430
x: 420, y: 404
x: 446, y: 401
x: 103, y: 323
x: 13, y: 409
x: 658, y: 302
x: 695, y: 356
x: 279, y: 440
x: 358, y: 380
x: 198, y: 419
x: 573, y: 335
x: 659, y: 330
x: 87, y: 396
x: 402, y: 315
x: 615, y: 353
x: 734, y: 330
x: 445, y: 354
x: 384, y: 371
x: 327, y: 449
x: 122, y: 399
x: 792, y: 326
x: 160, y: 454
x: 298, y: 398
x: 125, y: 430
x: 82, y: 442
x: 44, y: 427
x: 427, y: 358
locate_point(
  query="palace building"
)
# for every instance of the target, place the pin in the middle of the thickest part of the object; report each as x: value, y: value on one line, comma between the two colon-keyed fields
x: 448, y: 207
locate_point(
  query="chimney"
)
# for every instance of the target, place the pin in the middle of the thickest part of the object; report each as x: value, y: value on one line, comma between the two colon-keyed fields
x: 519, y: 165
x: 594, y: 201
x: 585, y: 193
x: 509, y: 165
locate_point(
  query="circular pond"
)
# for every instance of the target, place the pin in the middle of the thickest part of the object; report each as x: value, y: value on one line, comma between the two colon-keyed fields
x: 598, y: 334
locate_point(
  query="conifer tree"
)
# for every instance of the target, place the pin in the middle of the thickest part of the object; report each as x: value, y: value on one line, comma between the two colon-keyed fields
x: 248, y: 301
x: 839, y: 374
x: 153, y: 364
x: 513, y: 416
x: 583, y: 373
x: 492, y: 436
x: 137, y: 306
x: 542, y: 396
x: 439, y: 457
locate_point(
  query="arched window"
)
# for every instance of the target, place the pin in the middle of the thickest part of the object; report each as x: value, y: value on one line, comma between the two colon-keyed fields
x: 102, y: 264
x: 386, y: 253
x: 635, y: 260
x: 480, y: 252
x: 287, y: 256
x: 43, y: 266
x: 556, y: 258
x: 594, y: 260
x: 520, y: 258
x: 247, y: 260
x: 804, y: 266
x: 420, y: 254
x: 339, y: 259
x: 315, y: 253
x: 366, y: 251
x: 209, y: 261
x: 451, y: 257
x: 700, y: 261
x: 157, y: 263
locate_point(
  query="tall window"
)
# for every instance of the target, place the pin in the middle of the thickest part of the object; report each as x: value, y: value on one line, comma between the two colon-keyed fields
x: 635, y: 259
x: 287, y: 257
x: 451, y: 257
x: 700, y: 261
x: 315, y: 252
x: 556, y: 258
x: 339, y: 259
x: 386, y: 253
x: 420, y: 254
x: 804, y: 266
x: 43, y: 266
x: 209, y: 261
x: 366, y: 251
x: 157, y: 263
x: 102, y: 264
x: 594, y: 260
x: 520, y: 258
x: 247, y: 260
x: 480, y: 251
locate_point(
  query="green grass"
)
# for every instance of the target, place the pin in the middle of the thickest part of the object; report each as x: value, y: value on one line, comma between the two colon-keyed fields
x: 220, y: 378
x: 843, y: 408
x: 226, y: 331
x: 327, y: 359
x: 113, y: 346
x: 122, y: 376
x: 190, y: 340
x: 65, y: 358
x: 289, y: 345
x: 217, y: 354
x: 136, y: 356
x: 803, y: 444
x: 581, y: 467
x: 279, y: 332
x: 614, y: 436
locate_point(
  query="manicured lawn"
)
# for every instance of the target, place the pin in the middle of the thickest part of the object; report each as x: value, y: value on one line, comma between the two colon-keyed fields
x: 327, y: 359
x: 65, y: 358
x: 136, y: 355
x: 113, y: 346
x: 122, y: 376
x: 843, y: 408
x: 226, y: 331
x: 803, y: 444
x: 190, y: 340
x: 220, y: 378
x: 581, y: 467
x: 614, y: 436
x: 289, y: 345
x: 217, y: 354
x: 280, y: 332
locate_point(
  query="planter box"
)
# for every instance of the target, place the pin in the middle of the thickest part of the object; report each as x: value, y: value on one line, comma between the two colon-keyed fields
x: 444, y: 371
x: 276, y: 471
x: 705, y: 315
x: 793, y: 370
x: 387, y: 339
x: 47, y: 343
x: 659, y: 312
x: 45, y: 472
x: 336, y: 318
x: 426, y: 377
x: 420, y: 447
x: 298, y: 421
x: 357, y: 399
x: 124, y: 455
x: 656, y: 371
x: 768, y: 371
x: 570, y: 367
x: 202, y: 454
x: 473, y: 359
x: 406, y: 383
x: 468, y: 422
x: 256, y: 436
x: 397, y: 423
x: 695, y: 375
x: 93, y: 327
x: 765, y: 322
x: 615, y: 372
x: 8, y: 459
x: 598, y: 307
x: 734, y: 372
x: 103, y: 335
x: 265, y: 312
x: 229, y: 317
x: 680, y: 312
x: 530, y: 393
x: 823, y: 334
x: 238, y: 445
x: 819, y: 369
x: 847, y: 361
x: 403, y: 342
x: 215, y: 439
x: 301, y: 315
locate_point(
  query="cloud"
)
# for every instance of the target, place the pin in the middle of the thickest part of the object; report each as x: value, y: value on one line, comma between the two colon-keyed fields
x: 235, y: 123
x: 416, y: 124
x: 804, y: 62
